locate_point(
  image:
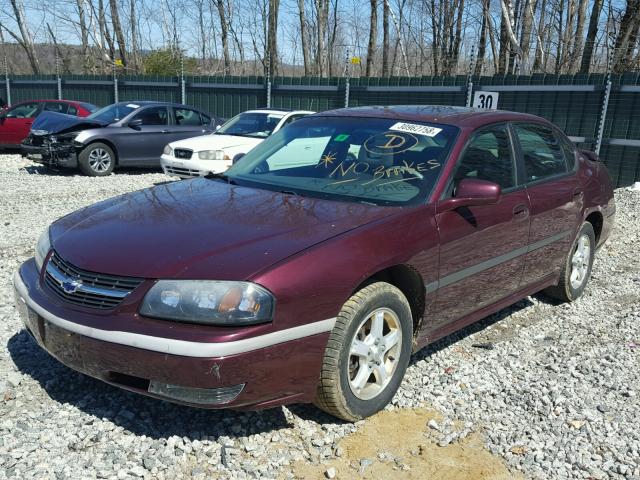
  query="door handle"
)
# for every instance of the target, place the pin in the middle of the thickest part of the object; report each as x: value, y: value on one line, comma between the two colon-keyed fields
x: 520, y: 211
x: 577, y: 193
x: 164, y: 131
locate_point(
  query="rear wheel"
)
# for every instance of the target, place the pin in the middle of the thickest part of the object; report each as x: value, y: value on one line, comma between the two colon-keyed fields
x: 97, y: 160
x: 367, y: 353
x: 577, y: 267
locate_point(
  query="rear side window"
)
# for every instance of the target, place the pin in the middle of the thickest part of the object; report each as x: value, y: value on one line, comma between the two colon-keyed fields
x: 72, y: 110
x: 488, y: 157
x: 205, y: 120
x: 186, y: 117
x: 57, y: 107
x: 542, y: 152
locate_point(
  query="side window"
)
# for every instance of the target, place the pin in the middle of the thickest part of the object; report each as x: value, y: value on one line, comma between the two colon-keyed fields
x: 72, y: 110
x: 541, y: 151
x: 186, y: 117
x: 57, y: 107
x: 205, y: 119
x: 488, y: 156
x: 292, y: 119
x: 153, y: 116
x: 569, y: 154
x: 24, y: 110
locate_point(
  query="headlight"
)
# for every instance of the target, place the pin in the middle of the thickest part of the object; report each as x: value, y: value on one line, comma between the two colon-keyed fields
x: 212, y: 155
x: 167, y: 150
x: 209, y: 302
x: 42, y: 248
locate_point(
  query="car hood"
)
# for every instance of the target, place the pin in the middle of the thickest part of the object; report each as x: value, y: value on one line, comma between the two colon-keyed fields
x: 51, y: 122
x: 200, y: 229
x: 216, y: 142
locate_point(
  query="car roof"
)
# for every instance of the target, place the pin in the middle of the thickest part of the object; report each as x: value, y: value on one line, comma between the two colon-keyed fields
x: 277, y: 111
x: 460, y: 116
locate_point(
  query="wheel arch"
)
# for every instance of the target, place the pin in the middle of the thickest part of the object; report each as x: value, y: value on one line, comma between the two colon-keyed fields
x: 596, y: 220
x: 409, y: 281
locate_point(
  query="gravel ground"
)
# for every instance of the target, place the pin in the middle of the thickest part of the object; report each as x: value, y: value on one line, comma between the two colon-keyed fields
x: 554, y: 392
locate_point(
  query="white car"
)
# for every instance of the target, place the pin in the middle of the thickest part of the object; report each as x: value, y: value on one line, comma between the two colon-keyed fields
x: 215, y: 153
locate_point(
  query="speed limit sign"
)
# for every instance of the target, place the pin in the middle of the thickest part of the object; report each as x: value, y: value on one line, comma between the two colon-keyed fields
x: 485, y: 100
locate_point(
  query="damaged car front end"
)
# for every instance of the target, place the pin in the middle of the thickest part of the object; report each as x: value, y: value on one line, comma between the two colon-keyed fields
x: 52, y: 140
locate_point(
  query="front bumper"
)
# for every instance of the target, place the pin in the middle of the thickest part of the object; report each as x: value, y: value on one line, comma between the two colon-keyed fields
x: 275, y: 375
x: 53, y: 155
x: 193, y: 167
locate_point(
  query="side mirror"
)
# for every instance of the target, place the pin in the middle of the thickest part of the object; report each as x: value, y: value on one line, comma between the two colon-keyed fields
x: 593, y: 156
x: 471, y: 192
x: 136, y: 123
x: 237, y: 158
x: 218, y: 127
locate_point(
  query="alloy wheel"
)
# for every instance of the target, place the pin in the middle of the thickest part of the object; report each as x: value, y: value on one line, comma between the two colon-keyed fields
x: 374, y: 353
x: 99, y: 160
x: 580, y: 262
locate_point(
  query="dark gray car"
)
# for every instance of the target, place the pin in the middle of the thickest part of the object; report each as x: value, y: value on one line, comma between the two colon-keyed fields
x: 119, y: 135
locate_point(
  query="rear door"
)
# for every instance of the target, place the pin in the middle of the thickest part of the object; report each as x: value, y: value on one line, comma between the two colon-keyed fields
x: 481, y: 247
x: 188, y: 123
x: 555, y: 195
x: 142, y: 145
x: 16, y: 122
x: 57, y: 107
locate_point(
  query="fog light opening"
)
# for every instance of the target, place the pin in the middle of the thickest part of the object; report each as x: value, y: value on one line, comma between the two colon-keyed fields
x: 200, y: 396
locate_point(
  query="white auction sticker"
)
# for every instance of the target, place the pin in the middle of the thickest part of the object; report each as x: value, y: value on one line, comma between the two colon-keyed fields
x: 415, y: 128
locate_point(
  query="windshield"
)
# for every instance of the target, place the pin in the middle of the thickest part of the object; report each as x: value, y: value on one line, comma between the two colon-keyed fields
x: 375, y: 160
x: 256, y: 125
x: 113, y: 113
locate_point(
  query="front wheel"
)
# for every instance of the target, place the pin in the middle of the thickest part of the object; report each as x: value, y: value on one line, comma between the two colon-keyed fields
x: 577, y: 266
x: 367, y: 353
x: 97, y: 160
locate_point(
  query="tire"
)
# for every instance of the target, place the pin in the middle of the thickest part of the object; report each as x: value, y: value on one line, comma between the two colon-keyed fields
x: 577, y: 267
x: 97, y: 160
x: 342, y: 371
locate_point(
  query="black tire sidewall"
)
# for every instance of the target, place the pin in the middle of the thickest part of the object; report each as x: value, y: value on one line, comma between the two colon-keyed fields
x: 83, y: 160
x: 383, y: 299
x: 575, y: 293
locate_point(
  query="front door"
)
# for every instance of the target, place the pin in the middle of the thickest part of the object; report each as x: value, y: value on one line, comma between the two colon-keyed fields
x: 142, y: 144
x: 481, y: 247
x: 556, y: 199
x: 17, y: 121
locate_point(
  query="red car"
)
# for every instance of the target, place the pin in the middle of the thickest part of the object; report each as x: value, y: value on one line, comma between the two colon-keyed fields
x: 16, y: 120
x: 318, y: 263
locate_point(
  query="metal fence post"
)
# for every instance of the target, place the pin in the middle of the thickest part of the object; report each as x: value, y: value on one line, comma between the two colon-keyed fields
x: 7, y: 83
x: 269, y: 80
x: 59, y: 88
x: 603, y: 115
x: 183, y: 93
x: 115, y: 84
x: 470, y: 76
x: 347, y: 83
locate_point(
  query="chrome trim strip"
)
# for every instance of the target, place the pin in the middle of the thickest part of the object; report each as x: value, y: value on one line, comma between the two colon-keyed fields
x: 60, y: 277
x: 173, y: 346
x: 492, y: 262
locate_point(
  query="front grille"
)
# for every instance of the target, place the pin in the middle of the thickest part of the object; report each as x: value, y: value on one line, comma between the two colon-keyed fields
x: 182, y: 153
x: 94, y: 290
x: 182, y: 171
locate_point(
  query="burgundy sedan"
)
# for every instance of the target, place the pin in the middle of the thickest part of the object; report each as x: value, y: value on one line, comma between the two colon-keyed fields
x: 318, y: 263
x: 16, y: 120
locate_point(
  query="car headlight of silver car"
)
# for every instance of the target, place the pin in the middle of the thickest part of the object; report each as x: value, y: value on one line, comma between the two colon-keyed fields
x: 209, y: 302
x: 212, y: 155
x: 42, y: 248
x: 168, y: 150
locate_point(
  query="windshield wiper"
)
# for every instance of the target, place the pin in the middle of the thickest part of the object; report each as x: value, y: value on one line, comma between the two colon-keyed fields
x: 220, y: 176
x: 289, y: 192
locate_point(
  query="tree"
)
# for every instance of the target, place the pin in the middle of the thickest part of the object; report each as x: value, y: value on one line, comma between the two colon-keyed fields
x: 272, y: 35
x: 304, y: 38
x: 167, y: 62
x: 373, y: 36
x: 385, y: 38
x: 25, y: 40
x: 322, y: 17
x: 627, y: 37
x: 482, y: 43
x: 224, y: 27
x: 590, y: 42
